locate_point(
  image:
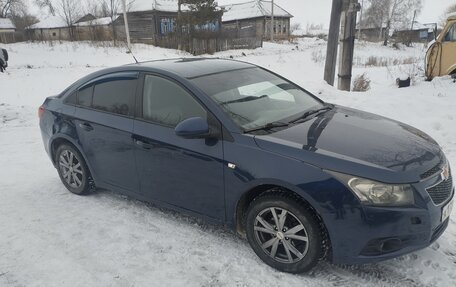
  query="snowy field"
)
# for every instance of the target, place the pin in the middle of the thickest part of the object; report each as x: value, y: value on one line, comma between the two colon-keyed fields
x: 49, y: 237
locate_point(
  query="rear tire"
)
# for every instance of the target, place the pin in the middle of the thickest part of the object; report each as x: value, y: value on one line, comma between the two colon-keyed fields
x: 283, y: 233
x: 72, y: 169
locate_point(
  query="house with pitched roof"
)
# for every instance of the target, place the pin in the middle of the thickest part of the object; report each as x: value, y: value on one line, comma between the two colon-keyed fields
x: 253, y: 19
x: 48, y: 29
x: 148, y: 19
x: 55, y: 28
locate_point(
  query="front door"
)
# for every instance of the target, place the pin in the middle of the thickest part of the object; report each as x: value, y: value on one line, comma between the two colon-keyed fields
x: 187, y: 173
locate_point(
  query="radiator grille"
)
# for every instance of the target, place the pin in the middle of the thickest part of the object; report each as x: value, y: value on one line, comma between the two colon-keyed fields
x: 441, y: 192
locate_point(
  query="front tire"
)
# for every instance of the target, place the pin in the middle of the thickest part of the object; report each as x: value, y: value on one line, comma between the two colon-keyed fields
x: 283, y: 233
x: 72, y: 169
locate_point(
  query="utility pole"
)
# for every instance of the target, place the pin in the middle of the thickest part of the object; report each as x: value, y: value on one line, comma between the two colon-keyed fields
x: 413, y: 21
x: 333, y: 42
x: 350, y: 10
x: 179, y: 25
x: 360, y: 20
x: 127, y: 30
x: 409, y: 40
x: 272, y: 21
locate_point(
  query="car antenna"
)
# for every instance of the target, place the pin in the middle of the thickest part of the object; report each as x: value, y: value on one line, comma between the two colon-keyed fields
x: 130, y: 52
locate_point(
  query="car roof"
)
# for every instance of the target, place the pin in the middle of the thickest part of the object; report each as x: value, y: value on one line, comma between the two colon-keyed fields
x: 196, y: 67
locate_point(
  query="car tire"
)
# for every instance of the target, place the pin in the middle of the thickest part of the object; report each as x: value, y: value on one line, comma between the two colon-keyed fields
x: 292, y: 243
x: 72, y: 169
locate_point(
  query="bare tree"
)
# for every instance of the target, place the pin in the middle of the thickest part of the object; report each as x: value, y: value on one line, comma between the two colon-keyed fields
x: 449, y: 10
x: 10, y: 7
x: 111, y: 9
x: 70, y: 11
x: 46, y: 4
x: 393, y: 14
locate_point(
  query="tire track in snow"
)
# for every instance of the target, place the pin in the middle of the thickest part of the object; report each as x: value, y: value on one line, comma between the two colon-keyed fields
x: 370, y: 275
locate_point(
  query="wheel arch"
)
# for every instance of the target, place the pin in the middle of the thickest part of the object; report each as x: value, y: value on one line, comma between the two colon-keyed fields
x: 59, y: 139
x: 249, y: 196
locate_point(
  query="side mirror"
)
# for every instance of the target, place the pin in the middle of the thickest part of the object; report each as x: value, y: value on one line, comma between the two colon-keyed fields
x: 193, y: 128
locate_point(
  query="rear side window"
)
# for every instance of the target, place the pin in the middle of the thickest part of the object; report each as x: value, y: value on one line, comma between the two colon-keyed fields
x: 167, y: 103
x: 113, y: 93
x: 115, y: 96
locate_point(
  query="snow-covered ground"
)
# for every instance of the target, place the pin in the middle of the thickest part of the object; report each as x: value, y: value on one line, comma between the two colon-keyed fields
x: 49, y: 237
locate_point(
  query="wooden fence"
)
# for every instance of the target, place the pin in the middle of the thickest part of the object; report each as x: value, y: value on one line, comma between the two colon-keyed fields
x: 13, y: 37
x: 200, y: 46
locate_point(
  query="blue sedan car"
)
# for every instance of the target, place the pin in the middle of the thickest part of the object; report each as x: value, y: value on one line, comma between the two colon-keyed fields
x: 236, y: 144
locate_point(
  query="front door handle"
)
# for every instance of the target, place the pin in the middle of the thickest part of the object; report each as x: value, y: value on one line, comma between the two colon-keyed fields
x: 86, y: 126
x: 144, y: 145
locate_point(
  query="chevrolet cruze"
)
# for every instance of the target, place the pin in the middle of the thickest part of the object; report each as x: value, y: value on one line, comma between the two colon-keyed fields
x: 237, y: 144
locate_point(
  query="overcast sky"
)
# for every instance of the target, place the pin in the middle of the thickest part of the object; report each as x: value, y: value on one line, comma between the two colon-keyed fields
x: 318, y: 12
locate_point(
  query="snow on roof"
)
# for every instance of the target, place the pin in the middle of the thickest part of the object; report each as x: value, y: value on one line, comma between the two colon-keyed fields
x: 97, y: 22
x: 252, y: 9
x: 50, y: 22
x: 419, y: 26
x: 159, y: 5
x: 6, y: 23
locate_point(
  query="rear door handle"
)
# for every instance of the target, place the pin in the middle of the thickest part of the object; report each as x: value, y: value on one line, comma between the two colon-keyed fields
x: 86, y: 126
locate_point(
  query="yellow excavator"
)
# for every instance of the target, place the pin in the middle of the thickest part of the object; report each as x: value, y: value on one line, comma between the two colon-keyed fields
x: 441, y: 55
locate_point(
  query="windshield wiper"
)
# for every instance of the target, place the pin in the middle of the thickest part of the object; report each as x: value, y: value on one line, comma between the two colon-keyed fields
x: 268, y: 127
x: 243, y: 100
x: 310, y: 113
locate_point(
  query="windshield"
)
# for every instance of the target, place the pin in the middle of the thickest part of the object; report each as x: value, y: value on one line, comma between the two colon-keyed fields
x: 254, y: 98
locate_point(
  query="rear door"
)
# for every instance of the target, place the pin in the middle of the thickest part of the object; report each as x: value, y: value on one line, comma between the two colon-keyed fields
x: 104, y: 113
x: 187, y: 173
x: 449, y: 51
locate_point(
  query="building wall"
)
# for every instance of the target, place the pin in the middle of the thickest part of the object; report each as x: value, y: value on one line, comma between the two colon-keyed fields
x: 53, y: 34
x: 414, y: 36
x: 146, y: 26
x: 281, y: 28
x: 7, y: 30
x: 258, y: 27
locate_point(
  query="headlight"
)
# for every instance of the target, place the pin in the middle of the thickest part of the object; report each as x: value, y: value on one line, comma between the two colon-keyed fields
x: 370, y: 192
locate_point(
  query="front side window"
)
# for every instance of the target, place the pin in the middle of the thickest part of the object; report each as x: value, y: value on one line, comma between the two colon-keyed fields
x: 451, y: 35
x: 254, y: 98
x: 115, y: 96
x: 167, y: 103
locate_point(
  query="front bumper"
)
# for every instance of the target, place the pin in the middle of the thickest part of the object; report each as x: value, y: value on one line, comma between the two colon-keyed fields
x: 372, y: 234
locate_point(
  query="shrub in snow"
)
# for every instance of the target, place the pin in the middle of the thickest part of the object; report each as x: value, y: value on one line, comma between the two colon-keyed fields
x: 317, y: 56
x: 361, y: 83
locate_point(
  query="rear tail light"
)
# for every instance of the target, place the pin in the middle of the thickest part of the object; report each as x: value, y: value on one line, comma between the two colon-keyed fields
x: 41, y: 111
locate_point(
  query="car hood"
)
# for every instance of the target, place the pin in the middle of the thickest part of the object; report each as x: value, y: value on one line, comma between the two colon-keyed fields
x: 358, y: 143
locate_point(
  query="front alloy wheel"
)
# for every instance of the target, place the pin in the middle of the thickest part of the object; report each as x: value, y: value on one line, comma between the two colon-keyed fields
x: 283, y: 233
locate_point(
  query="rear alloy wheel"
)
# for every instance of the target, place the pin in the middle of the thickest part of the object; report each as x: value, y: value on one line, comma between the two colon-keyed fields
x: 72, y: 170
x: 283, y: 233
